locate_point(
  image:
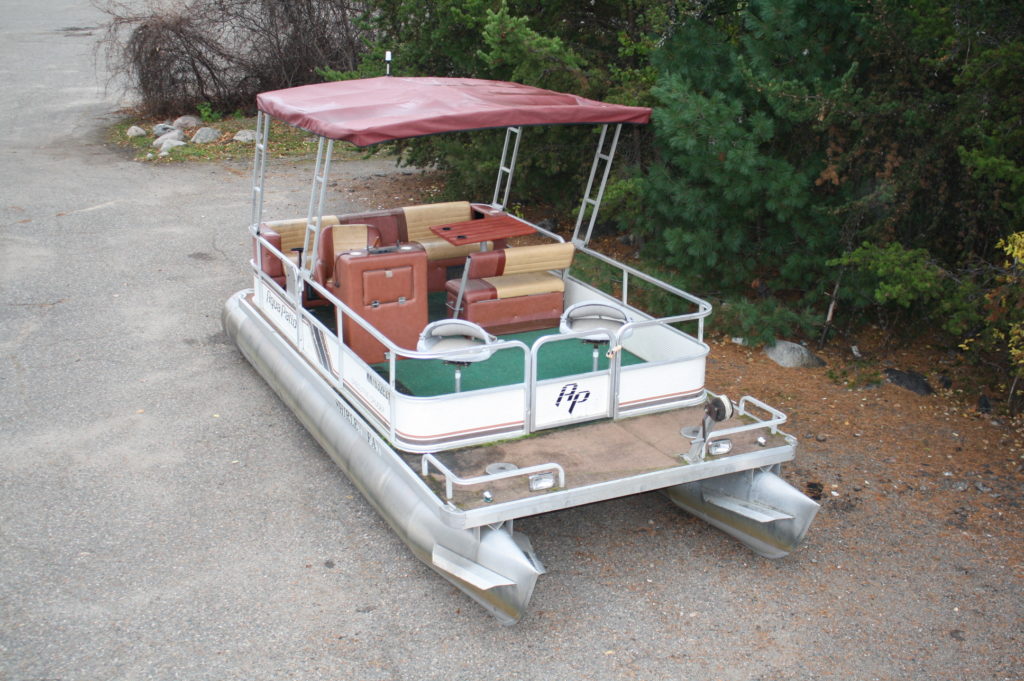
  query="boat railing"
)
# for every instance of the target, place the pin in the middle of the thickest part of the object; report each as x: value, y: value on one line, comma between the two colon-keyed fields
x: 299, y: 283
x: 541, y: 476
x: 703, y: 307
x: 777, y: 418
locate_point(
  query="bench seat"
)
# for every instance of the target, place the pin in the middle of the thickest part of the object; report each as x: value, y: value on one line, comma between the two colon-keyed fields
x: 513, y: 289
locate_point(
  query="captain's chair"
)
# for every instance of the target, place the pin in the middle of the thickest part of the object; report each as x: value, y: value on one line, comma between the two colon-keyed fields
x: 463, y: 342
x: 602, y: 320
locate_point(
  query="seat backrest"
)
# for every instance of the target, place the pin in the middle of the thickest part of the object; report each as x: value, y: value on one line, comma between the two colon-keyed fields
x: 390, y: 223
x: 293, y: 232
x: 419, y: 219
x: 337, y: 239
x: 349, y: 237
x: 284, y: 235
x: 540, y: 258
x: 521, y: 259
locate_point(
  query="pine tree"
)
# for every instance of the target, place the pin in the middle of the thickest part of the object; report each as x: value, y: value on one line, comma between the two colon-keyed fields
x: 736, y: 195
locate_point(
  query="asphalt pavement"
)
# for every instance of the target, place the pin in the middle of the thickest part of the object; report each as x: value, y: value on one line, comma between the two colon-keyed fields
x: 164, y: 516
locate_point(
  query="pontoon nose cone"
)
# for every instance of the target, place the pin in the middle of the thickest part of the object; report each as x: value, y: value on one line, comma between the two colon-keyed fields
x: 759, y: 508
x: 502, y: 577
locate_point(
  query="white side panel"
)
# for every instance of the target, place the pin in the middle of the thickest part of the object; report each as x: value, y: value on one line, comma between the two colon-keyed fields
x: 368, y: 387
x: 643, y: 385
x: 432, y: 423
x: 277, y: 308
x: 564, y: 401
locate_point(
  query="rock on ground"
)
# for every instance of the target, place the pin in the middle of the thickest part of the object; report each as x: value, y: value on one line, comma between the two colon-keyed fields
x: 245, y: 136
x: 206, y: 135
x: 135, y: 131
x: 173, y: 134
x: 187, y: 122
x: 911, y: 380
x: 792, y: 355
x: 170, y: 144
x: 162, y: 129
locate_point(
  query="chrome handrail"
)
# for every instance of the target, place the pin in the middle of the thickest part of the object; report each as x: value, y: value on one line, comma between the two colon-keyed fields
x: 451, y: 479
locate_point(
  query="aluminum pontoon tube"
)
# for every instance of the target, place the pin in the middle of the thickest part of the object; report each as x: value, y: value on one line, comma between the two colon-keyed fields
x: 495, y: 567
x: 757, y: 507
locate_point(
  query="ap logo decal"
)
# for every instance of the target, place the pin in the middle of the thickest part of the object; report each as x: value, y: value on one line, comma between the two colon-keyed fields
x: 572, y: 396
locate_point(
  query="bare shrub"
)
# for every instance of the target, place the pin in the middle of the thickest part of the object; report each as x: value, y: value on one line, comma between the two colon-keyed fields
x: 177, y: 55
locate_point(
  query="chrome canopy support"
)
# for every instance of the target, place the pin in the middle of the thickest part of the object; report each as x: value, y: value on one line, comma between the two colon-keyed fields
x: 317, y: 196
x: 507, y: 167
x: 602, y: 159
x: 259, y: 166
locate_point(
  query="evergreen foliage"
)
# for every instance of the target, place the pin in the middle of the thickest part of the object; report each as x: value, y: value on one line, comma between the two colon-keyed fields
x: 868, y: 154
x: 598, y: 49
x: 802, y: 148
x: 734, y: 195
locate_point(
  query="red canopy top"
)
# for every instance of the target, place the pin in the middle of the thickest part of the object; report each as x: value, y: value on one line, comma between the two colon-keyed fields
x: 375, y: 110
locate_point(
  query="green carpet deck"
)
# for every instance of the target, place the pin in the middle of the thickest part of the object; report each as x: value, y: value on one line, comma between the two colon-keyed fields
x: 427, y: 378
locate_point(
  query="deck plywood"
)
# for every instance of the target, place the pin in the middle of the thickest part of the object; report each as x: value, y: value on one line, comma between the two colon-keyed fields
x: 589, y: 453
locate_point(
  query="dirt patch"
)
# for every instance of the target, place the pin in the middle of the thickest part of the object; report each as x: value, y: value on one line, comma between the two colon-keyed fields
x: 884, y: 445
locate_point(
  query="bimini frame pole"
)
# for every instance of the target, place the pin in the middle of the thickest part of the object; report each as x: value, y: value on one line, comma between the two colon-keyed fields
x: 317, y: 195
x: 588, y: 199
x: 505, y: 170
x: 259, y: 166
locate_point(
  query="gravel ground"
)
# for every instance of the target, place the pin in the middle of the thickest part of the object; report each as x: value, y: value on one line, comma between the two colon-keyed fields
x: 163, y: 515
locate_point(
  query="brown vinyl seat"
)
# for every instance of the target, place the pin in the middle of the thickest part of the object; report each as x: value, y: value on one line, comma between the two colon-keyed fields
x: 285, y: 236
x: 512, y: 289
x: 338, y: 239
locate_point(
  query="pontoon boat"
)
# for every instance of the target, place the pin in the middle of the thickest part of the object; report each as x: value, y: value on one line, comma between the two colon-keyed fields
x: 466, y: 367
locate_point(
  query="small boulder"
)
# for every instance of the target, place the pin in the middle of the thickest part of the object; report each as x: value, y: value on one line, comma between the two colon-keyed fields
x: 172, y: 134
x: 206, y: 135
x: 910, y: 380
x: 246, y: 136
x: 135, y: 131
x: 162, y: 129
x: 792, y: 355
x: 186, y: 122
x: 170, y: 144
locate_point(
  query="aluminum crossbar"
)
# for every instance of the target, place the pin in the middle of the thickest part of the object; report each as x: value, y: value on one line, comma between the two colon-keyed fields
x: 507, y: 167
x: 314, y: 217
x: 259, y: 166
x: 589, y: 200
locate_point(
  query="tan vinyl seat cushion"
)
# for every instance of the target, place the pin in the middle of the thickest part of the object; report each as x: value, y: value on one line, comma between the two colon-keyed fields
x: 538, y: 258
x: 525, y: 284
x: 349, y: 237
x: 293, y: 232
x: 419, y: 219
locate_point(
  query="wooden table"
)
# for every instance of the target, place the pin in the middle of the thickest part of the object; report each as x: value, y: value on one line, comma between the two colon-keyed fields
x: 487, y: 228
